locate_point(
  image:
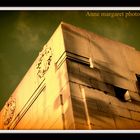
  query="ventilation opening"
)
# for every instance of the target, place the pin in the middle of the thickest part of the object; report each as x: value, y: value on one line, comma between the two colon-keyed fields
x: 122, y: 94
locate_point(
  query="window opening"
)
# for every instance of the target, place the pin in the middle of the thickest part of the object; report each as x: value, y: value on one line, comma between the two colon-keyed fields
x: 122, y: 94
x: 138, y: 82
x: 138, y: 77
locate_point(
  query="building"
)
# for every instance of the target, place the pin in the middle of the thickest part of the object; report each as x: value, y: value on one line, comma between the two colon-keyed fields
x: 79, y: 80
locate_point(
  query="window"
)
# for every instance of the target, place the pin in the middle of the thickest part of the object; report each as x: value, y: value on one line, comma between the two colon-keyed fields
x: 138, y: 77
x: 122, y: 94
x: 138, y: 82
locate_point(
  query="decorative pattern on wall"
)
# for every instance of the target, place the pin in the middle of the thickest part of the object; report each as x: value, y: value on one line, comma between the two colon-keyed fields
x: 9, y: 110
x: 44, y: 61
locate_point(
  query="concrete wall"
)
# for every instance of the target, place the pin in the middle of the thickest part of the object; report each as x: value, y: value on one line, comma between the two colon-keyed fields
x: 76, y: 88
x: 94, y: 100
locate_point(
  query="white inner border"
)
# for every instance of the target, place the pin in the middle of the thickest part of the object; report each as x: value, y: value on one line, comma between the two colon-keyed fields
x: 70, y: 131
x: 71, y: 9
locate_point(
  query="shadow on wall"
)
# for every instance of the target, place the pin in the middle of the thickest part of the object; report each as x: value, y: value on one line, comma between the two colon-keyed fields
x: 108, y: 68
x: 101, y: 113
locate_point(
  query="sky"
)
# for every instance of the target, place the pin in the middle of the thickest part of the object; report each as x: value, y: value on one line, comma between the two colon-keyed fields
x: 24, y: 33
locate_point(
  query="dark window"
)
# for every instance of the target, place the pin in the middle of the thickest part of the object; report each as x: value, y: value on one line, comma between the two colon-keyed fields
x: 138, y: 77
x: 122, y: 94
x: 138, y: 82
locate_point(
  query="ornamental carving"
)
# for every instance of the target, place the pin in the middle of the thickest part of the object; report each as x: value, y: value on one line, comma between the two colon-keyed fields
x: 44, y: 61
x: 9, y: 108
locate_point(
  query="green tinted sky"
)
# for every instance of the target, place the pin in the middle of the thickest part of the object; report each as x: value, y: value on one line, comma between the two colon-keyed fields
x: 23, y: 34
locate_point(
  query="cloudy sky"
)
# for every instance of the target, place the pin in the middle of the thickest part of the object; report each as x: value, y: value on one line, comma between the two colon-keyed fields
x: 23, y: 34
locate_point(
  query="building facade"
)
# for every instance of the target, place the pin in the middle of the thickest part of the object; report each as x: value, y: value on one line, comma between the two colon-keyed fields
x: 79, y: 80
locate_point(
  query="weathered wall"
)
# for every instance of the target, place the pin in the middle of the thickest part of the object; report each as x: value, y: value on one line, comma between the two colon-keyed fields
x: 92, y: 89
x: 71, y: 85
